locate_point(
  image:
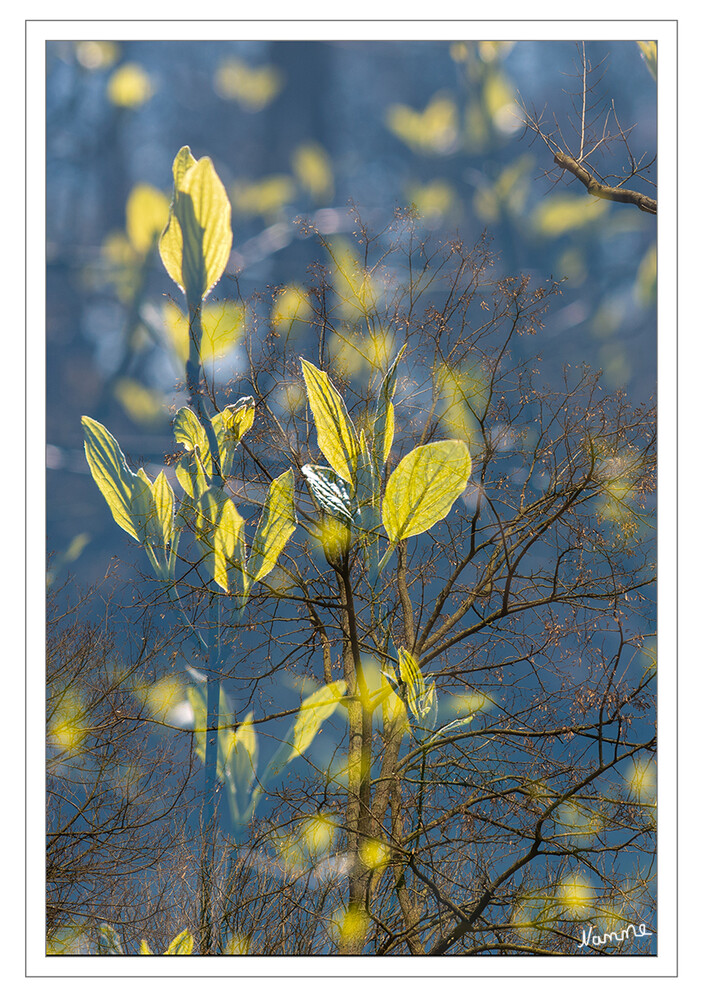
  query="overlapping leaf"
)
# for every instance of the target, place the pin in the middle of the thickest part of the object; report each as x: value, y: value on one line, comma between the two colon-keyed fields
x: 218, y: 529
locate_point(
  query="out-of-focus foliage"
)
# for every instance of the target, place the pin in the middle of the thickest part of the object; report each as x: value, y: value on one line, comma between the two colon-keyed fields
x: 253, y: 87
x: 223, y: 329
x: 265, y: 197
x: 650, y: 55
x: 130, y: 86
x: 560, y: 213
x: 433, y: 130
x: 314, y: 170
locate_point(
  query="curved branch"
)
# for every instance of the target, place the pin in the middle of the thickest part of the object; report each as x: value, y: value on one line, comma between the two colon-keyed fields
x: 598, y: 190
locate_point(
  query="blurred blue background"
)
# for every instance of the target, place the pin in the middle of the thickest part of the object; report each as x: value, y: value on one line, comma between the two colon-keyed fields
x: 304, y: 129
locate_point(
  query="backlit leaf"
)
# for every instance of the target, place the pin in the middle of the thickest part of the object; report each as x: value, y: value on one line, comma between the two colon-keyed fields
x: 276, y: 525
x: 230, y: 426
x: 181, y: 945
x: 110, y: 472
x: 336, y: 434
x: 315, y: 710
x: 191, y: 474
x: 218, y: 530
x: 383, y: 427
x: 423, y: 488
x: 196, y: 244
x: 189, y: 432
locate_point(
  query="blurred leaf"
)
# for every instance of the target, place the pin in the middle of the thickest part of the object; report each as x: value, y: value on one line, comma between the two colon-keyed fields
x: 560, y: 213
x: 265, y: 197
x: 223, y: 325
x: 649, y: 54
x: 143, y: 405
x: 276, y: 525
x: 313, y: 712
x: 313, y: 170
x: 147, y: 213
x: 144, y: 948
x: 129, y: 86
x: 241, y: 765
x: 252, y: 88
x: 645, y: 288
x: 423, y: 488
x: 290, y: 304
x: 491, y: 52
x: 434, y: 130
x: 507, y: 194
x: 432, y: 200
x: 195, y: 247
x: 499, y: 100
x: 336, y: 435
x: 97, y: 55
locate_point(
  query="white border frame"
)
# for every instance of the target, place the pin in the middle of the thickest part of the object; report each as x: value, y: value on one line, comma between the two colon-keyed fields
x: 665, y: 963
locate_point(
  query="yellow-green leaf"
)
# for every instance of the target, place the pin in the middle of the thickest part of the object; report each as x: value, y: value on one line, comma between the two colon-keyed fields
x: 147, y: 213
x: 181, y: 945
x: 217, y: 531
x: 336, y: 434
x: 276, y: 525
x: 163, y: 498
x: 423, y: 488
x: 143, y: 513
x: 196, y: 244
x: 189, y: 432
x: 110, y: 472
x: 383, y: 425
x: 144, y: 948
x: 230, y: 427
x: 410, y: 674
x: 649, y: 51
x: 315, y: 710
x: 191, y: 474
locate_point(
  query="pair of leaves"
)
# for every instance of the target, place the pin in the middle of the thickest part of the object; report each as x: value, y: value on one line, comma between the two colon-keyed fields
x: 230, y: 426
x: 109, y: 943
x: 195, y: 246
x: 181, y: 945
x: 219, y: 532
